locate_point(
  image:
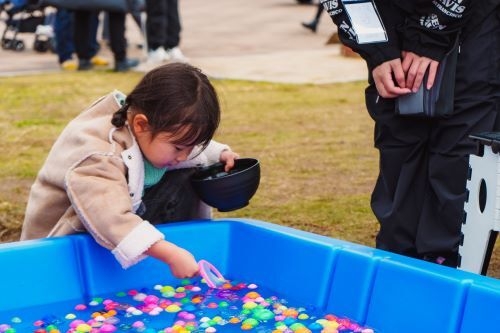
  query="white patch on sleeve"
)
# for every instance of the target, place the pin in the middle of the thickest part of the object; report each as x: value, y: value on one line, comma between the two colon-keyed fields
x: 131, y: 249
x: 365, y: 21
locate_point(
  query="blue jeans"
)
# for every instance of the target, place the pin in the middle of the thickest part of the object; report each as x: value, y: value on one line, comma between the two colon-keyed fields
x: 63, y: 29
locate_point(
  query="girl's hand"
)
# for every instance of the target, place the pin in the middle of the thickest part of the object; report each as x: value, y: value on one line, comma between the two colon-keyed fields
x: 181, y: 262
x: 227, y: 157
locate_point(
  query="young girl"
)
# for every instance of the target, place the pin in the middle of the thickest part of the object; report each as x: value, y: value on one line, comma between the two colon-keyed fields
x: 124, y: 164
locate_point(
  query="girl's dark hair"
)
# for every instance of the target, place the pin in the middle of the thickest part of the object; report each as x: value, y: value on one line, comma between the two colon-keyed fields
x: 175, y: 96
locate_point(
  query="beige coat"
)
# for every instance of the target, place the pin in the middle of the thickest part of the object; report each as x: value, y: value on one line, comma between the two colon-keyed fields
x: 92, y: 180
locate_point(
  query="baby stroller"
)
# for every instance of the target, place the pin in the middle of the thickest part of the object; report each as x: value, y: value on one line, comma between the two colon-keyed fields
x: 25, y: 17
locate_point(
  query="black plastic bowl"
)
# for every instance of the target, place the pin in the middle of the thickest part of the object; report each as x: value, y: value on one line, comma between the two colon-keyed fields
x: 231, y: 190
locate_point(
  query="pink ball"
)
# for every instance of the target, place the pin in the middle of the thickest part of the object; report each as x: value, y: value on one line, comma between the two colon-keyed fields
x: 107, y: 328
x: 80, y: 307
x: 151, y: 299
x: 189, y: 316
x: 4, y: 327
x: 138, y: 324
x: 76, y: 322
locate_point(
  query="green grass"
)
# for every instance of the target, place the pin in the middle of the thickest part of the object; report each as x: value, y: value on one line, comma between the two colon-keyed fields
x: 314, y: 142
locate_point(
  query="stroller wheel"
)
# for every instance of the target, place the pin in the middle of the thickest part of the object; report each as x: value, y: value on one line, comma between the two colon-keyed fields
x: 41, y: 45
x: 18, y: 45
x: 6, y: 43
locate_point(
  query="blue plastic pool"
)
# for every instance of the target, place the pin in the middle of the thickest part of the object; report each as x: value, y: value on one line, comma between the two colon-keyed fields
x: 390, y: 293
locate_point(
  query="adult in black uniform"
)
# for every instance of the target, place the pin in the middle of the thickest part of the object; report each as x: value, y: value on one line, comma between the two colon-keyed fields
x: 420, y: 191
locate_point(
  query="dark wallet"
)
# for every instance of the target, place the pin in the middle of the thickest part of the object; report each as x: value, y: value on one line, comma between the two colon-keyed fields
x: 438, y: 101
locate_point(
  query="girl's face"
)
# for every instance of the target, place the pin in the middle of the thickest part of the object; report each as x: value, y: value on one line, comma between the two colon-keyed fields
x: 162, y: 150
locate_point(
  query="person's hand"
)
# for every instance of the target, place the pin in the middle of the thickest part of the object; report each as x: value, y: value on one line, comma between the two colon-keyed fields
x: 181, y: 262
x: 415, y: 67
x: 389, y: 79
x: 227, y: 157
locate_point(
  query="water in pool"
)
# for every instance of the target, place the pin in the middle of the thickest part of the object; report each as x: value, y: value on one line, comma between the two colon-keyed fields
x: 189, y: 306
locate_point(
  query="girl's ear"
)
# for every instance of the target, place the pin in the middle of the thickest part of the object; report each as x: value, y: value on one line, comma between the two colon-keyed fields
x: 140, y: 124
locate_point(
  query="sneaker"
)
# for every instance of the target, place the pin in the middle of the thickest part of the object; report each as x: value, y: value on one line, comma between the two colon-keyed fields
x: 176, y: 55
x: 99, y: 61
x: 157, y: 56
x: 69, y: 65
x: 125, y: 65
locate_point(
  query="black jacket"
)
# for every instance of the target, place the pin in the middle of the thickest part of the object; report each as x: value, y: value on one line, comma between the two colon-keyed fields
x: 425, y: 27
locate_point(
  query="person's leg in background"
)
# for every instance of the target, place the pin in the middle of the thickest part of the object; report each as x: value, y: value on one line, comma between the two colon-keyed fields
x: 63, y: 29
x: 81, y: 38
x: 156, y: 29
x: 313, y: 25
x: 95, y: 59
x: 173, y: 32
x: 118, y: 42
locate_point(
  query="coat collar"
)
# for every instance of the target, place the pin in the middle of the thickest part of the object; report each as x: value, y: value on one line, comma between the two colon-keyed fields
x: 132, y: 157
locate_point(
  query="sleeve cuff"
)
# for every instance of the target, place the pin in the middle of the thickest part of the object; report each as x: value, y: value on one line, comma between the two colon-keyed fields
x: 131, y: 249
x: 213, y: 151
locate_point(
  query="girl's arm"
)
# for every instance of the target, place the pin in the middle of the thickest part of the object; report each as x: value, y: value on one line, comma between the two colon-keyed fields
x: 181, y: 262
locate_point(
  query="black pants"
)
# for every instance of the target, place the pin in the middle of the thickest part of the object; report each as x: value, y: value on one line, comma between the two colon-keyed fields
x: 163, y: 25
x: 420, y: 191
x: 81, y: 34
x: 172, y: 199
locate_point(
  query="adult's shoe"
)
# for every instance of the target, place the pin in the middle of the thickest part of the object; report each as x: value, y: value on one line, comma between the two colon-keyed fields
x: 158, y: 56
x: 99, y: 61
x: 125, y: 65
x: 310, y: 25
x: 69, y: 65
x: 176, y: 55
x: 85, y: 64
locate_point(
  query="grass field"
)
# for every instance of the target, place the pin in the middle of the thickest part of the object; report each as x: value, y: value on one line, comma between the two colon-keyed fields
x: 314, y: 142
